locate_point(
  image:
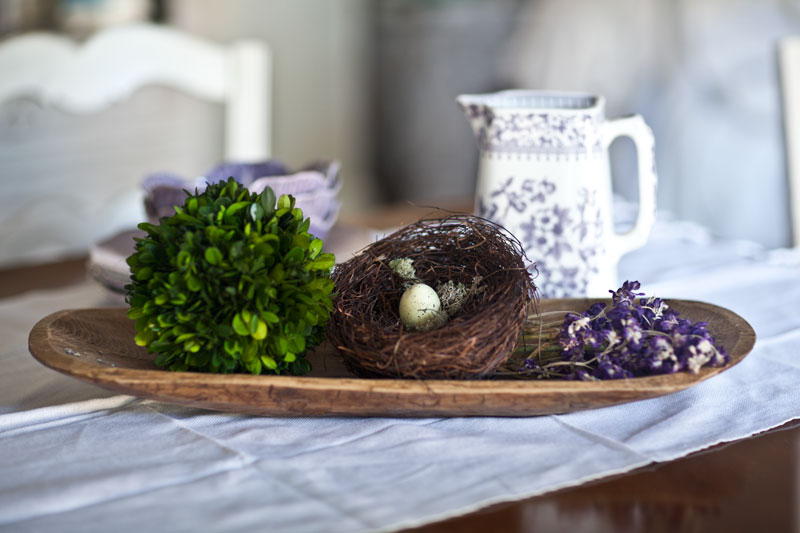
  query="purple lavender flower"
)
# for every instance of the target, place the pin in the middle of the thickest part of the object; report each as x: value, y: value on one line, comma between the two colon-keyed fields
x: 596, y: 309
x: 529, y: 365
x: 633, y: 337
x: 625, y: 293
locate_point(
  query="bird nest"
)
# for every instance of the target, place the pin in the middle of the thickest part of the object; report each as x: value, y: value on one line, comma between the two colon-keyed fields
x: 365, y: 325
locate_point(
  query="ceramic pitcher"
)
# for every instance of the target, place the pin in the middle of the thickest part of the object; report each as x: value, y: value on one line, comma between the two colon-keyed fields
x: 544, y: 175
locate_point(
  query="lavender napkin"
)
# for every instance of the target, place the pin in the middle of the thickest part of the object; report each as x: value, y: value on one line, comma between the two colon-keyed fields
x: 315, y: 187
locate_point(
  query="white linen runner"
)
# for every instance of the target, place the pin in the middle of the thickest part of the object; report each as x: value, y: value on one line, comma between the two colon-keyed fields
x: 76, y: 457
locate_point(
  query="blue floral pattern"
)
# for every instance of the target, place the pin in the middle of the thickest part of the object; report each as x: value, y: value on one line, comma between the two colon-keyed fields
x: 563, y: 241
x: 556, y: 133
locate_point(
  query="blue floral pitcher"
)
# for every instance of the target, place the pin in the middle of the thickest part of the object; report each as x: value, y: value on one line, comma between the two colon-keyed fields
x: 544, y: 175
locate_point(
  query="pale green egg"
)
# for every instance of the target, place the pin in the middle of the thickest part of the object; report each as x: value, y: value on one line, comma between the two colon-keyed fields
x: 419, y: 307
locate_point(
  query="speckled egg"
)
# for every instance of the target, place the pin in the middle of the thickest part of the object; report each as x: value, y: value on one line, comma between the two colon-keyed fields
x: 419, y: 307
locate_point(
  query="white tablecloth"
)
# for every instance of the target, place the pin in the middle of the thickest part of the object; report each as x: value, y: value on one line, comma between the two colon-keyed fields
x: 77, y: 458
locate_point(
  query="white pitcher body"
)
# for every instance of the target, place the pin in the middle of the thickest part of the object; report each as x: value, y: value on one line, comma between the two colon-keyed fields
x: 544, y: 175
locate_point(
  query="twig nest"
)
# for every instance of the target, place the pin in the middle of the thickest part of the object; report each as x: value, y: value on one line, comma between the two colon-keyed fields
x: 367, y: 326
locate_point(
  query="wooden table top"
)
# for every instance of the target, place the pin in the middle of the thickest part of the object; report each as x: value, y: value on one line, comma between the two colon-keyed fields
x: 748, y: 485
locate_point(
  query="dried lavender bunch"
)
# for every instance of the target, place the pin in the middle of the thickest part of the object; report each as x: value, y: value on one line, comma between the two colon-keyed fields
x: 631, y: 338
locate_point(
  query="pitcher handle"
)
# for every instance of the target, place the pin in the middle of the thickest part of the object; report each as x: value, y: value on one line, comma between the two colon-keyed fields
x: 637, y: 130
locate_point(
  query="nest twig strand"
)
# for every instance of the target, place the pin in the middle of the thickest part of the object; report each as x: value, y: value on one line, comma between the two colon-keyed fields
x: 365, y: 326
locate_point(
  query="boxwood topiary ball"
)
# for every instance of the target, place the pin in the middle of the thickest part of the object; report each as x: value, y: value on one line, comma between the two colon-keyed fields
x: 231, y: 282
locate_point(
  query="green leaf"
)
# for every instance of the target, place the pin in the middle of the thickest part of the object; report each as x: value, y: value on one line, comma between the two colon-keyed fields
x: 261, y: 331
x: 277, y: 273
x: 239, y: 325
x: 233, y: 348
x: 231, y: 211
x: 191, y: 346
x: 285, y: 202
x: 297, y: 343
x: 147, y: 257
x: 193, y: 283
x: 304, y: 298
x: 305, y: 225
x: 253, y: 366
x: 149, y: 228
x: 165, y: 320
x: 295, y: 255
x: 300, y: 367
x: 322, y: 262
x: 250, y: 351
x: 213, y: 255
x: 269, y: 362
x: 233, y: 188
x: 269, y: 237
x: 256, y: 211
x: 268, y: 202
x: 187, y: 219
x: 281, y: 344
x: 264, y: 249
x: 311, y: 318
x: 183, y: 338
x: 314, y: 248
x: 183, y: 260
x: 215, y: 235
x: 143, y: 338
x: 144, y: 273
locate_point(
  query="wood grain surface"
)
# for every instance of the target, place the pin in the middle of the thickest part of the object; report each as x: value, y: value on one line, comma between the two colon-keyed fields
x: 96, y: 345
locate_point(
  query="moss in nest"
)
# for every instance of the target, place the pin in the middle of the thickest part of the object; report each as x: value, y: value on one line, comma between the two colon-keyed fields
x: 454, y: 295
x: 404, y: 267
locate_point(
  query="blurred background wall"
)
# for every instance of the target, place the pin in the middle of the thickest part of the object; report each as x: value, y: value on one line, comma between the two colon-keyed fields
x: 704, y: 75
x: 321, y: 69
x: 373, y: 82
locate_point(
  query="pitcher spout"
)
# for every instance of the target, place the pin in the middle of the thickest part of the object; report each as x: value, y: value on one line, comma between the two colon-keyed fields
x: 478, y: 112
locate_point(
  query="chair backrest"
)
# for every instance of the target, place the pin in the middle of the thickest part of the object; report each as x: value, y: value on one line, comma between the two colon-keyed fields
x: 789, y: 66
x: 114, y: 63
x: 83, y: 79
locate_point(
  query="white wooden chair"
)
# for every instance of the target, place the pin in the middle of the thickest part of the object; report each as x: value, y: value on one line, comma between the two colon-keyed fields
x: 789, y: 66
x: 107, y: 69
